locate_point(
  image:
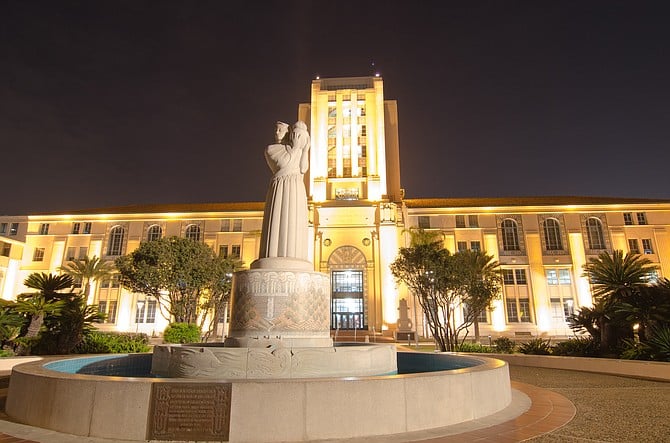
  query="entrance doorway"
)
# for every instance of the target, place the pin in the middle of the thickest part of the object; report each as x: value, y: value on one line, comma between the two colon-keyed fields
x: 347, y: 300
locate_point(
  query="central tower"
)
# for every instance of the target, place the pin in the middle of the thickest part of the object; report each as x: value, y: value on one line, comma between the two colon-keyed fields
x: 354, y: 154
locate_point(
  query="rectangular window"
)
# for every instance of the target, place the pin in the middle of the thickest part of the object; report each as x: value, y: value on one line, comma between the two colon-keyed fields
x: 641, y: 218
x: 646, y: 246
x: 75, y: 228
x: 475, y: 245
x: 552, y: 277
x: 225, y: 225
x: 627, y: 218
x: 633, y: 246
x: 237, y: 225
x: 69, y: 255
x: 236, y: 251
x: 424, y: 222
x: 83, y: 252
x: 564, y: 277
x: 460, y: 221
x: 512, y: 313
x: 151, y: 312
x: 38, y: 255
x: 524, y: 310
x: 462, y: 246
x: 508, y: 276
x: 44, y: 229
x: 13, y: 229
x: 139, y: 312
x: 87, y: 228
x: 6, y: 249
x: 111, y: 312
x: 473, y: 221
x: 3, y: 228
x: 520, y: 276
x: 223, y: 251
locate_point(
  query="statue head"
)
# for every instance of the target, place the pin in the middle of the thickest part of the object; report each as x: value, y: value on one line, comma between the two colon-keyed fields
x: 281, y: 129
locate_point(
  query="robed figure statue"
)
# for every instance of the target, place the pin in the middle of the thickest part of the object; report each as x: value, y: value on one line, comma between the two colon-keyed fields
x: 285, y: 218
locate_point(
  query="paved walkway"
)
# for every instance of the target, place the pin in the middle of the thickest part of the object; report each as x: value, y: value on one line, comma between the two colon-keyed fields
x: 608, y: 409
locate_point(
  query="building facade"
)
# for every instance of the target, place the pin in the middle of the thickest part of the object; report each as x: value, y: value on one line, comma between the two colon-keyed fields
x: 358, y: 221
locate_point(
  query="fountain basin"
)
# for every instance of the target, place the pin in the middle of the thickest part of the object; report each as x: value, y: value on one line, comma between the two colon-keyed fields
x: 119, y: 405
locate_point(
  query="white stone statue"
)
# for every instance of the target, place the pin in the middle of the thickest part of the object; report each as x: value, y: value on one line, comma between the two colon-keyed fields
x: 285, y: 218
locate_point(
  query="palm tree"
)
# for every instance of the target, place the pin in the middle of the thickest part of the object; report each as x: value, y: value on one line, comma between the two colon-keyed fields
x: 615, y: 279
x: 87, y: 270
x: 36, y: 305
x: 479, y: 283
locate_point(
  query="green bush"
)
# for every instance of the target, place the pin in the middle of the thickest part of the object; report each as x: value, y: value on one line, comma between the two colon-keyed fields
x: 473, y: 347
x: 97, y: 342
x: 504, y: 345
x: 577, y: 347
x: 181, y: 333
x: 536, y: 346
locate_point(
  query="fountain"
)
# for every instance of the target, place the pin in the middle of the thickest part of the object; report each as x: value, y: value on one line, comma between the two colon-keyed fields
x: 278, y: 376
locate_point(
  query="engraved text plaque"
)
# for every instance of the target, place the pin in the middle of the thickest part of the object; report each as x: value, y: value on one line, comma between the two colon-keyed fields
x: 190, y: 411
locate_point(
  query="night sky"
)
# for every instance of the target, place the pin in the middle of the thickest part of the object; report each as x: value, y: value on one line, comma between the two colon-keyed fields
x: 106, y: 103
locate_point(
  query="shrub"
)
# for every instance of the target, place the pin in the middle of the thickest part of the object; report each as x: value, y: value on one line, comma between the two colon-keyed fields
x: 181, y: 333
x: 577, y: 347
x: 504, y: 345
x: 473, y: 347
x: 536, y: 346
x: 97, y: 342
x: 660, y: 343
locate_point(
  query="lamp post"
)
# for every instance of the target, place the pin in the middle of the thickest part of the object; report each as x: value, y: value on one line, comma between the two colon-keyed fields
x: 139, y: 315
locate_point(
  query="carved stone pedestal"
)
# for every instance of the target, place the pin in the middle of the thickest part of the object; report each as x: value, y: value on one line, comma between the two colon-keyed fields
x: 280, y: 307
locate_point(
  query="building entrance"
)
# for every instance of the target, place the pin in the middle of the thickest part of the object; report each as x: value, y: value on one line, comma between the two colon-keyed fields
x: 347, y: 300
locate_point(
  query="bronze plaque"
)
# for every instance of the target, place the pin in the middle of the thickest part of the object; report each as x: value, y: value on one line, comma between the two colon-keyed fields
x: 190, y: 411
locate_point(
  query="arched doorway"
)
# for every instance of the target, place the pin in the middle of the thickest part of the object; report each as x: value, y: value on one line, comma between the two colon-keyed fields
x: 347, y: 266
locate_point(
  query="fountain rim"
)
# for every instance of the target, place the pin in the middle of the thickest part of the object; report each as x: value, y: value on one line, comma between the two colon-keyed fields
x: 40, y: 368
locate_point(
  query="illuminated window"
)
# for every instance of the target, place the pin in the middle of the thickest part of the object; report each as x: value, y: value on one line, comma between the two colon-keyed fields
x: 87, y: 228
x: 594, y: 232
x: 193, y: 232
x: 155, y: 232
x: 108, y: 307
x: 641, y: 218
x: 646, y: 246
x: 347, y: 301
x: 552, y: 235
x: 38, y: 254
x: 424, y: 222
x: 627, y: 218
x: 633, y: 246
x: 116, y: 236
x: 13, y: 229
x: 510, y: 235
x: 44, y: 229
x: 75, y: 228
x: 460, y: 221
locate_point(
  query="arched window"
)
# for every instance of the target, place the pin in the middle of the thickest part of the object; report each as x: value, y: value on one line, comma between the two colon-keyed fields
x: 510, y: 235
x: 594, y: 232
x: 552, y: 235
x: 154, y: 232
x: 193, y: 232
x: 115, y: 246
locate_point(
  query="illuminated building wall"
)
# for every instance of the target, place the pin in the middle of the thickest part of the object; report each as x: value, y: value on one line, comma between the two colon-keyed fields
x: 358, y: 221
